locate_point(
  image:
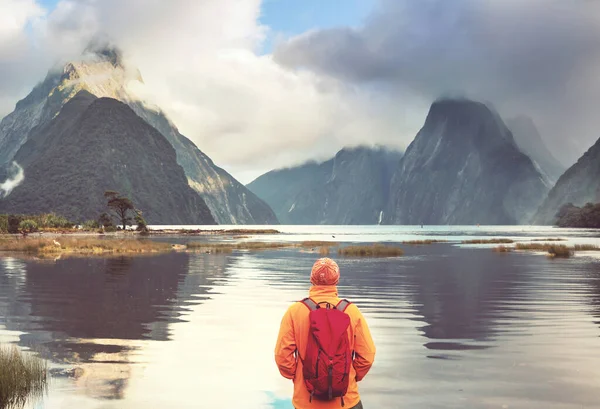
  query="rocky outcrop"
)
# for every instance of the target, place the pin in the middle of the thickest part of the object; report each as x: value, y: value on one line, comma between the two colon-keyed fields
x: 464, y: 167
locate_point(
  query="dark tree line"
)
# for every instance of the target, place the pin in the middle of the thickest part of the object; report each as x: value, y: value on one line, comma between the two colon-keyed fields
x: 587, y: 216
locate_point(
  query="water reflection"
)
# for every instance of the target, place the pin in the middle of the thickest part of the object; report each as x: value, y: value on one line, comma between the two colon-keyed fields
x: 469, y: 327
x: 593, y: 278
x: 89, y: 316
x: 454, y: 327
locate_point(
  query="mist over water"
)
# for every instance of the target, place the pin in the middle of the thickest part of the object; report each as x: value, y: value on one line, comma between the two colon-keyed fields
x: 455, y: 326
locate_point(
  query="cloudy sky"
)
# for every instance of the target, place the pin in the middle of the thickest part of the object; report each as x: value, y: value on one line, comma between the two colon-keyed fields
x: 264, y: 84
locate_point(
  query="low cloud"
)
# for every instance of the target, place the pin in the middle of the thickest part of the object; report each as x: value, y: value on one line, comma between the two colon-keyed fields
x: 537, y: 57
x: 200, y: 62
x: 12, y: 182
x: 325, y: 89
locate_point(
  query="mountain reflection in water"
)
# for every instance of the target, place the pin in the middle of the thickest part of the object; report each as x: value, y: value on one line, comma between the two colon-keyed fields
x: 454, y: 327
x: 88, y: 313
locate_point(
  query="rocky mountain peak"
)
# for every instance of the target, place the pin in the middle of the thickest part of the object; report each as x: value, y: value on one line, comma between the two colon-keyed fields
x: 103, y: 72
x: 103, y: 50
x: 464, y: 167
x: 468, y: 121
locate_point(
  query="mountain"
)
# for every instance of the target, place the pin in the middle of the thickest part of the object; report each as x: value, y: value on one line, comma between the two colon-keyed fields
x: 579, y: 185
x: 530, y: 142
x: 102, y: 72
x: 98, y: 144
x: 464, y: 167
x: 351, y: 188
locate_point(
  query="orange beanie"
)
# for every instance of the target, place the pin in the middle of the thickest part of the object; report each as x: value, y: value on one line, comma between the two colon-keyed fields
x: 325, y: 271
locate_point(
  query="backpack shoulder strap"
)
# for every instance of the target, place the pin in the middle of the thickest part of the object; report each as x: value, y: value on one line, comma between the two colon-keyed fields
x: 342, y: 305
x: 310, y: 304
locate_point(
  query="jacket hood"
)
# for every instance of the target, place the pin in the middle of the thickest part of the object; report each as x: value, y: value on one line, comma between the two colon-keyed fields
x: 320, y: 291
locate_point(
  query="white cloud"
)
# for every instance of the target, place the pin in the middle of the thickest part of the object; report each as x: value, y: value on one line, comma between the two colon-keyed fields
x: 200, y: 62
x: 13, y: 181
x: 536, y: 57
x: 16, y: 16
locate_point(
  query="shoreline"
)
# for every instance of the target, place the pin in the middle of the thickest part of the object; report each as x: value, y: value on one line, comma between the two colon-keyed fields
x: 59, y: 243
x: 135, y: 233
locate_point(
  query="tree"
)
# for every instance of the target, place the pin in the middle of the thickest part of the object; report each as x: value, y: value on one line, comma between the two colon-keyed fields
x: 141, y: 223
x: 121, y: 206
x: 104, y: 220
x: 570, y: 215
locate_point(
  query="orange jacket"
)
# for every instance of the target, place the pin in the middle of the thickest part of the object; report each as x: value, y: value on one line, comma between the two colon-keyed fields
x: 292, y: 338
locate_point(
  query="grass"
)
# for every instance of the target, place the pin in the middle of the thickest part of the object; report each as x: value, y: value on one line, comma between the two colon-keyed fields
x: 82, y: 245
x: 553, y: 250
x: 503, y: 249
x: 547, y: 246
x: 560, y: 251
x: 21, y: 375
x: 318, y: 243
x: 423, y: 242
x: 488, y: 241
x: 585, y: 247
x: 549, y: 239
x: 324, y: 251
x: 250, y: 231
x: 236, y: 232
x: 229, y: 247
x: 374, y: 250
x: 324, y: 246
x: 533, y: 246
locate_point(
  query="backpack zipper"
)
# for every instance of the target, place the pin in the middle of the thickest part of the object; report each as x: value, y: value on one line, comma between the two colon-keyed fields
x: 317, y: 366
x: 330, y: 379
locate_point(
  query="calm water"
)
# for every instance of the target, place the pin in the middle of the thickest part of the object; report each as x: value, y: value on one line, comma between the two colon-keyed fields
x: 455, y: 326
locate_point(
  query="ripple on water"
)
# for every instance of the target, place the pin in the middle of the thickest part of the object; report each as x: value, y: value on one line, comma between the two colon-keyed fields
x: 454, y: 327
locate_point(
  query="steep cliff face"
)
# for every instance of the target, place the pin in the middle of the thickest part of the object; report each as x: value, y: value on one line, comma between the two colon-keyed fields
x: 530, y: 142
x: 464, y: 167
x: 295, y: 194
x: 94, y: 145
x: 229, y: 201
x: 102, y: 73
x: 351, y: 188
x: 579, y: 185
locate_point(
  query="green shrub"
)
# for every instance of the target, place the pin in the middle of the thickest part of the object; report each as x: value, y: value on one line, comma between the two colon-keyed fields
x: 142, y: 226
x: 3, y: 223
x: 587, y: 216
x: 105, y: 220
x: 13, y: 223
x: 90, y: 225
x: 110, y: 229
x: 28, y: 226
x: 10, y: 223
x: 52, y: 220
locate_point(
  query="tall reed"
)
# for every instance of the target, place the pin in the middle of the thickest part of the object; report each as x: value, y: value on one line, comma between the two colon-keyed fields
x: 22, y: 375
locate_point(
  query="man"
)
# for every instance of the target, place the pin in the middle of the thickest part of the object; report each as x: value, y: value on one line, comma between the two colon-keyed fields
x: 295, y: 336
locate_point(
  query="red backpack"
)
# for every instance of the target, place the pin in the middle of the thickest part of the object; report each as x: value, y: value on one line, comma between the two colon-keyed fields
x: 328, y: 358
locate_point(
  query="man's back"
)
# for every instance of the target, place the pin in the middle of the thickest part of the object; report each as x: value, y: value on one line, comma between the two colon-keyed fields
x: 293, y: 338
